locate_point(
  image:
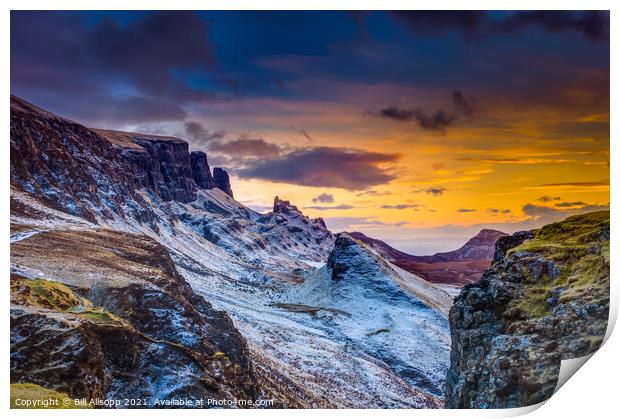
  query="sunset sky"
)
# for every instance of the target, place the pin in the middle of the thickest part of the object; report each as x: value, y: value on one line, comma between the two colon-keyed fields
x: 418, y: 128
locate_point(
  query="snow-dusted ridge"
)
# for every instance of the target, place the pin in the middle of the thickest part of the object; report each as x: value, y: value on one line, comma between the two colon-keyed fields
x: 328, y: 321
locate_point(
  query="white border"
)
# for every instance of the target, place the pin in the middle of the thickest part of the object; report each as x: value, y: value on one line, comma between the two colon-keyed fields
x: 591, y: 394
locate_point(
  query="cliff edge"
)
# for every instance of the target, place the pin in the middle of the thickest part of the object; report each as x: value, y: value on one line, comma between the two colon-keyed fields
x: 545, y: 298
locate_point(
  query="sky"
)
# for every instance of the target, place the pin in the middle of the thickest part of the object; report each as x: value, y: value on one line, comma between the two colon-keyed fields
x: 418, y: 128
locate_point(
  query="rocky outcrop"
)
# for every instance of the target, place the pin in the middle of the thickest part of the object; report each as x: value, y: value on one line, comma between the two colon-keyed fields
x: 71, y: 168
x: 169, y: 168
x: 114, y: 319
x: 545, y: 298
x: 222, y: 181
x: 295, y: 232
x: 458, y: 267
x: 97, y: 174
x: 165, y: 166
x: 201, y: 171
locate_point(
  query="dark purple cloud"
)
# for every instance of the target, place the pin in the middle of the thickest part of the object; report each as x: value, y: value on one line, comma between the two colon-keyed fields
x: 464, y: 105
x: 324, y: 198
x: 201, y: 135
x: 303, y: 133
x: 435, y: 191
x: 106, y: 70
x: 465, y: 210
x: 593, y: 25
x: 436, y: 23
x: 435, y: 121
x: 245, y: 147
x: 401, y: 206
x: 552, y: 214
x: 498, y: 211
x: 236, y: 150
x: 439, y: 120
x: 392, y: 112
x: 149, y: 50
x: 372, y: 192
x: 580, y: 184
x: 571, y: 204
x: 331, y: 207
x: 336, y: 167
x: 547, y: 198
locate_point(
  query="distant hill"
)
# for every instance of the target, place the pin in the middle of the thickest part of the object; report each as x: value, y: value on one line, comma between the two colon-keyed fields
x: 457, y: 267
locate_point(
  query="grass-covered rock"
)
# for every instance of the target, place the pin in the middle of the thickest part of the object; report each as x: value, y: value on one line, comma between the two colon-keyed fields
x: 33, y: 396
x: 545, y: 298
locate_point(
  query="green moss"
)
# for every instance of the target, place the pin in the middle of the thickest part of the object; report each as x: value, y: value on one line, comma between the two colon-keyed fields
x: 56, y: 296
x: 577, y: 247
x: 533, y: 301
x: 33, y: 396
x: 97, y: 315
x: 44, y: 293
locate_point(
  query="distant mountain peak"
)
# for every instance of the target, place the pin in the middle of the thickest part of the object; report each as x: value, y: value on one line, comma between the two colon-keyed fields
x: 486, y: 235
x: 463, y: 265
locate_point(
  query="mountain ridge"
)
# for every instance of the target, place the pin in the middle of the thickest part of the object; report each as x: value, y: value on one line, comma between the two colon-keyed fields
x: 457, y: 267
x: 69, y: 183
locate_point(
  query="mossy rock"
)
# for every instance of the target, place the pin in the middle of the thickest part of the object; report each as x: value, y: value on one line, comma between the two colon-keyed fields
x: 56, y: 296
x: 33, y: 396
x: 43, y: 293
x: 579, y: 247
x: 97, y: 315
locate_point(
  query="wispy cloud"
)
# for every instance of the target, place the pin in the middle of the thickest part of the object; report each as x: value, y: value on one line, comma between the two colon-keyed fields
x: 435, y: 191
x: 324, y: 198
x: 303, y: 133
x: 548, y: 198
x: 498, y: 211
x: 580, y: 184
x: 439, y: 120
x: 331, y: 207
x: 402, y: 206
x: 373, y: 192
x: 571, y: 204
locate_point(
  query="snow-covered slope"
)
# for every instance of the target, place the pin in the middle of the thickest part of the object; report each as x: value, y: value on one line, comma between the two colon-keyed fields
x: 328, y: 322
x: 360, y: 298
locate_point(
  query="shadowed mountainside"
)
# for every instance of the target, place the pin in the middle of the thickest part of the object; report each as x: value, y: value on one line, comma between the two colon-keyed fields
x: 135, y: 272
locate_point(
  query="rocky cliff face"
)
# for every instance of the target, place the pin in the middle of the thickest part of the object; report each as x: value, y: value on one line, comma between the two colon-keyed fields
x: 96, y: 310
x: 95, y: 174
x: 116, y: 320
x: 303, y: 234
x: 71, y: 168
x: 222, y: 181
x: 545, y: 298
x: 201, y: 171
x: 165, y: 166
